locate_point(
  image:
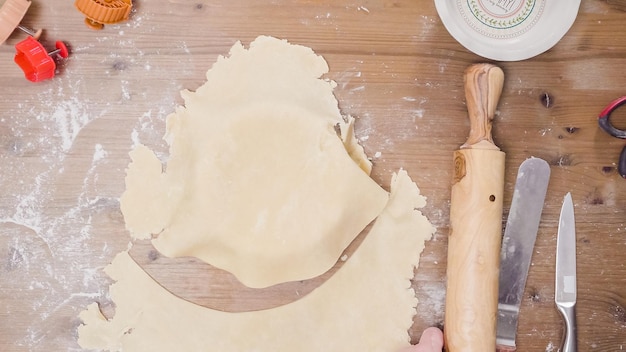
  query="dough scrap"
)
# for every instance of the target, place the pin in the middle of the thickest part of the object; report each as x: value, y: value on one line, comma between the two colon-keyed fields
x: 258, y: 182
x: 367, y: 305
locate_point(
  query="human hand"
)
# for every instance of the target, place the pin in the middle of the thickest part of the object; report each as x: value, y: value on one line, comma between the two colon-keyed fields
x: 431, y: 341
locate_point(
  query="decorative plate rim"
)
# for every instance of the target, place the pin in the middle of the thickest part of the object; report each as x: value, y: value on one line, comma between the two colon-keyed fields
x: 550, y: 26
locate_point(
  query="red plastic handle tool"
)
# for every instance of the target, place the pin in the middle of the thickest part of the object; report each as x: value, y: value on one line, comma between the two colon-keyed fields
x: 35, y: 61
x: 604, y: 120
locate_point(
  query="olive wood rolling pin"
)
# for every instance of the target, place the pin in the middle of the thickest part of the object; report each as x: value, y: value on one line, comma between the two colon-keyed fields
x: 475, y: 221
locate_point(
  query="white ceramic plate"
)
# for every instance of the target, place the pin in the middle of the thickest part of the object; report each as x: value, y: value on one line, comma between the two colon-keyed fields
x: 507, y: 30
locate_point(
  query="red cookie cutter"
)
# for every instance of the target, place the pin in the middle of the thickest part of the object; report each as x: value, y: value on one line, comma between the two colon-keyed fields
x: 35, y: 61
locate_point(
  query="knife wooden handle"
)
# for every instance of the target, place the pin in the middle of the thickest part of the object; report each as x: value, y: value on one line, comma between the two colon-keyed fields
x: 475, y: 221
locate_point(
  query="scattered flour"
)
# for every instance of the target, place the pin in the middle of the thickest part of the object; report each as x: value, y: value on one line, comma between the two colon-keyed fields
x: 99, y: 154
x: 53, y: 230
x: 70, y: 116
x: 431, y: 309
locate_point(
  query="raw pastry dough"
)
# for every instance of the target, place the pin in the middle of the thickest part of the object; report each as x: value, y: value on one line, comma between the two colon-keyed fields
x: 258, y: 181
x: 367, y: 305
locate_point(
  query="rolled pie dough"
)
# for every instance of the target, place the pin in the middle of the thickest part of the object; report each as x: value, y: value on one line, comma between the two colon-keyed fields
x: 258, y: 177
x: 258, y: 182
x: 367, y: 305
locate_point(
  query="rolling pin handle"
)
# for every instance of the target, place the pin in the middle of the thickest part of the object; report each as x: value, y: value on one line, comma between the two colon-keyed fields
x: 483, y: 87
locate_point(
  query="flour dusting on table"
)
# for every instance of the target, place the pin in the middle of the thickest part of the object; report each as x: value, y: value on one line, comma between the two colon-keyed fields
x: 58, y: 211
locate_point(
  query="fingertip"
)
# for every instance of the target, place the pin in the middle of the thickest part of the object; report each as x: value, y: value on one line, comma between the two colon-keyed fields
x: 434, y: 337
x: 430, y: 341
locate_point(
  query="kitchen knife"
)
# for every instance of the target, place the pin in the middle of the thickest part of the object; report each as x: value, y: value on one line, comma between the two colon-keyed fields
x: 517, y: 246
x: 475, y: 221
x: 565, y: 283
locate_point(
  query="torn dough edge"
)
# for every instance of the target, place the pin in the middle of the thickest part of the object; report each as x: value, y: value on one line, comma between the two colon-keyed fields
x: 367, y: 305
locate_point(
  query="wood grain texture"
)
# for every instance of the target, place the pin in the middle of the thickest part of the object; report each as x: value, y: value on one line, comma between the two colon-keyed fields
x: 483, y: 87
x: 474, y: 251
x: 64, y: 145
x: 475, y: 237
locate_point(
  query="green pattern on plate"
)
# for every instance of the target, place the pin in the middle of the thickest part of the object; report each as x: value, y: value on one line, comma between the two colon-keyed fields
x: 502, y: 23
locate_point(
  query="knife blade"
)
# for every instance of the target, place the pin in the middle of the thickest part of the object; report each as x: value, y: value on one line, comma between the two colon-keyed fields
x: 517, y: 246
x: 565, y: 277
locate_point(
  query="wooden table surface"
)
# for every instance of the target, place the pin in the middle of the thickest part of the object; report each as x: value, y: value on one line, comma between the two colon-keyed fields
x: 64, y: 145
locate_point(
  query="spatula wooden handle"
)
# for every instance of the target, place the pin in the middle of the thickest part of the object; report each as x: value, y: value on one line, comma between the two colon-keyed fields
x: 475, y: 222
